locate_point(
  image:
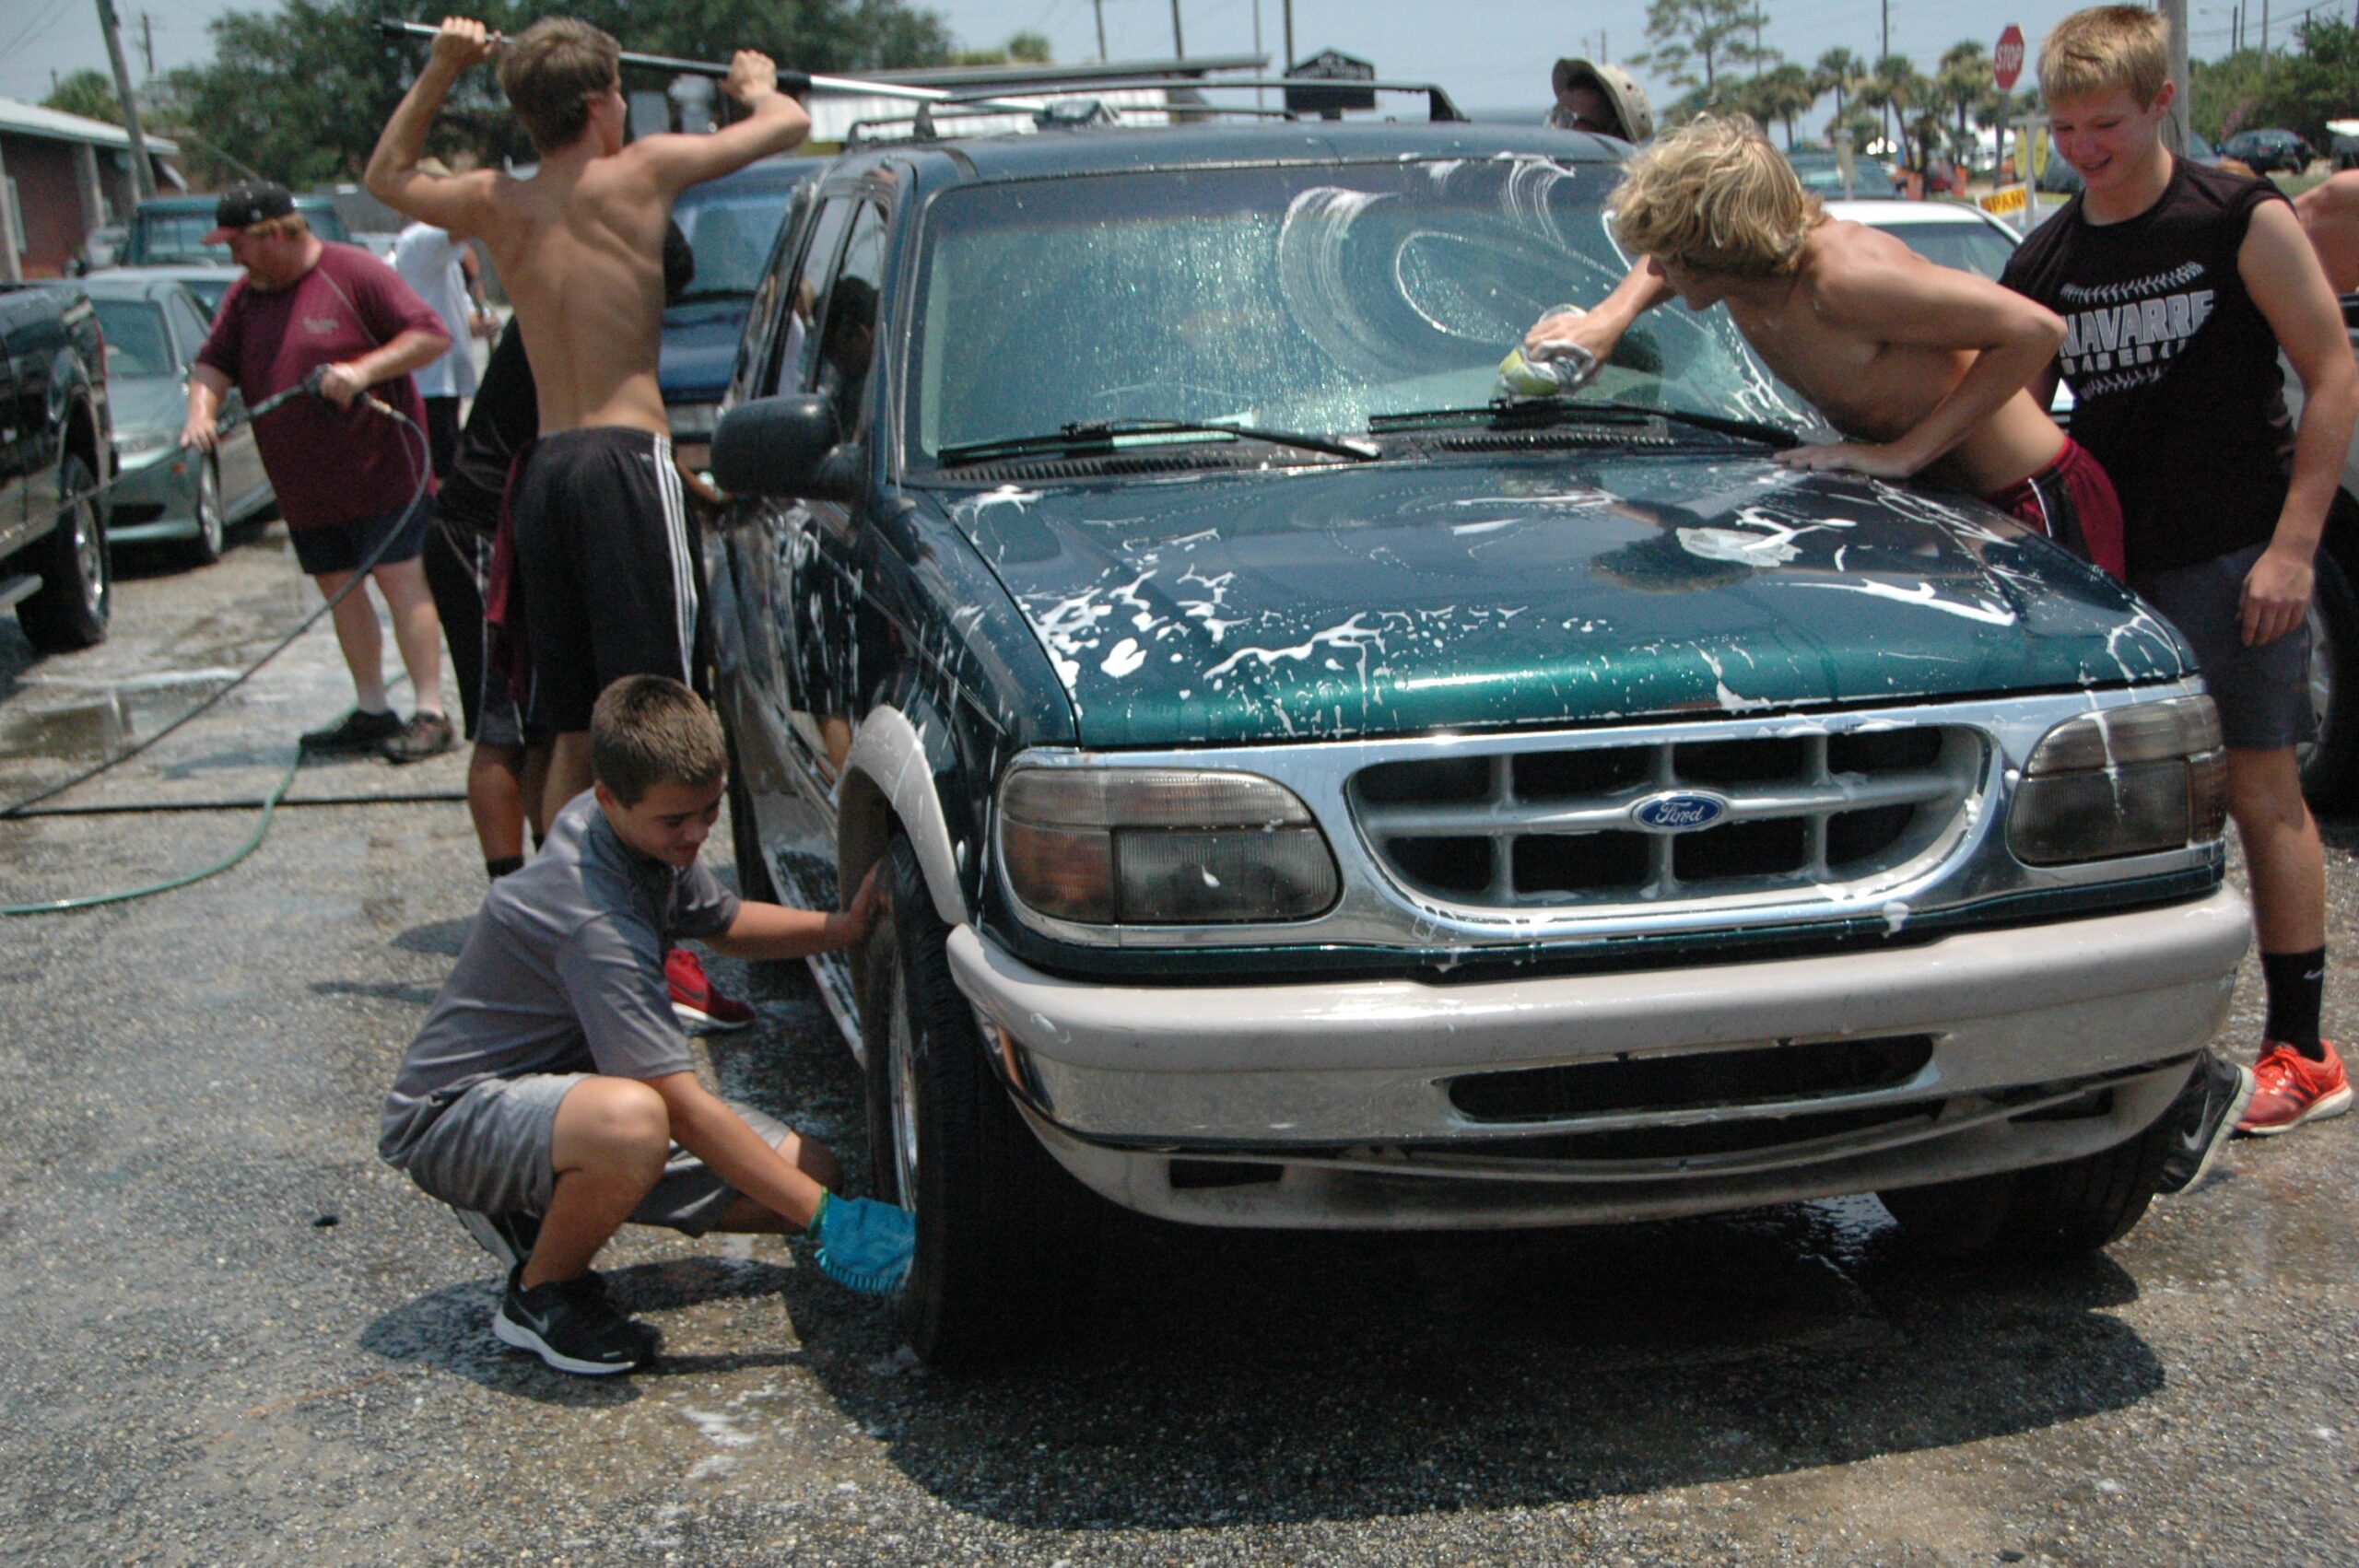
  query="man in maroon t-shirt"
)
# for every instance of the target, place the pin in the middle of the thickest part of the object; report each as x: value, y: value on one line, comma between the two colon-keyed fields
x: 347, y: 477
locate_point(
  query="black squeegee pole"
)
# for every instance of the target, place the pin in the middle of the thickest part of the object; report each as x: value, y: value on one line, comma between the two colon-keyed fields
x: 395, y: 26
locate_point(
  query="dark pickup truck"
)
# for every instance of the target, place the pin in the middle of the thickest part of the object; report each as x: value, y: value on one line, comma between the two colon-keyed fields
x: 56, y: 457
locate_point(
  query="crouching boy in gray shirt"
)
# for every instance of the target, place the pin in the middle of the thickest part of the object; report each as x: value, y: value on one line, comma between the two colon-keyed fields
x: 551, y: 1096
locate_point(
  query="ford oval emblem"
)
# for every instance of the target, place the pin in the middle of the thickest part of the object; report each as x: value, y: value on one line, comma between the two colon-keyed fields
x: 1681, y: 812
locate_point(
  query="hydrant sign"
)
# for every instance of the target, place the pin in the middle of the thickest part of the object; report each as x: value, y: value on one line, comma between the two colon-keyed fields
x: 2007, y: 60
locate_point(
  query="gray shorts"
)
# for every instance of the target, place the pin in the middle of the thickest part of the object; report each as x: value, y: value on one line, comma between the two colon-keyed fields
x: 2263, y: 692
x: 489, y: 1152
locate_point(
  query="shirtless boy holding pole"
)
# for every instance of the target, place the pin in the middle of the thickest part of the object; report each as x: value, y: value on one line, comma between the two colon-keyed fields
x: 606, y: 570
x: 1923, y: 366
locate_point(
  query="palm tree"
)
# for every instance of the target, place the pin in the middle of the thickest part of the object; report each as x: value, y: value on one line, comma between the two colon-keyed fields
x: 1838, y: 70
x: 1965, y: 82
x: 1783, y: 93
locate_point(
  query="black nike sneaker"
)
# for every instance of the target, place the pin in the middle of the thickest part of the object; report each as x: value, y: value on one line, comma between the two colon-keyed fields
x: 571, y: 1325
x: 2203, y: 1119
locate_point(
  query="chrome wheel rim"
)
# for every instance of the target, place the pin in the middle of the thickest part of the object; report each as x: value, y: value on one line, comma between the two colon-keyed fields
x: 89, y: 559
x: 209, y: 509
x: 900, y: 1062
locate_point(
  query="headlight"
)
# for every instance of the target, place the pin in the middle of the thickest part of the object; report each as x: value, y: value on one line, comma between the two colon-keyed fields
x: 1105, y: 846
x: 2126, y: 781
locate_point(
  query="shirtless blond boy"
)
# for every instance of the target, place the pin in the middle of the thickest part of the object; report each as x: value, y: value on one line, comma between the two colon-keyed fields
x: 1923, y: 366
x: 607, y: 571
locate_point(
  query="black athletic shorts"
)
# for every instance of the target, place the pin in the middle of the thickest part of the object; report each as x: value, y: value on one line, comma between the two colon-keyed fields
x: 458, y: 566
x: 332, y: 549
x: 606, y: 569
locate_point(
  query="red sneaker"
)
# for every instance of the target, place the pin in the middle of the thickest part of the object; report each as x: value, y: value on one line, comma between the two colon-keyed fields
x: 2292, y: 1089
x: 695, y: 1001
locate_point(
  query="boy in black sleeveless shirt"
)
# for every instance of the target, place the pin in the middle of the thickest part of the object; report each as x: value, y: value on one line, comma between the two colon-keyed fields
x: 2178, y: 285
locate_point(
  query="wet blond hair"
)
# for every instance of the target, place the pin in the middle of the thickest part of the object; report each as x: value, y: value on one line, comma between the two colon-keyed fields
x: 2102, y: 48
x: 551, y: 71
x: 651, y: 729
x: 1713, y: 194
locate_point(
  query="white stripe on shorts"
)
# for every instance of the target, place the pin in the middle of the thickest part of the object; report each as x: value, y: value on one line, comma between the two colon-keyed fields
x: 675, y: 540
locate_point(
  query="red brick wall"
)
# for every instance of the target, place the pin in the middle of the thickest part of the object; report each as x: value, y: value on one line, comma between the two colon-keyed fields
x: 51, y: 195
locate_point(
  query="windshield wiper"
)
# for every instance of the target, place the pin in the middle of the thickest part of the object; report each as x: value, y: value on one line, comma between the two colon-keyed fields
x: 1083, y: 437
x: 1539, y: 414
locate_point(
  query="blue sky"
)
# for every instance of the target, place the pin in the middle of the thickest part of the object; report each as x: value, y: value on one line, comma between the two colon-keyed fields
x: 1489, y: 53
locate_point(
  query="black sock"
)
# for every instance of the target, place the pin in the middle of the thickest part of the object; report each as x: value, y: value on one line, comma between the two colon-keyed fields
x: 502, y: 866
x: 2296, y: 985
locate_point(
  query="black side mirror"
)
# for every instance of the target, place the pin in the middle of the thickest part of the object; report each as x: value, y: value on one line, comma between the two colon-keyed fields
x: 782, y: 446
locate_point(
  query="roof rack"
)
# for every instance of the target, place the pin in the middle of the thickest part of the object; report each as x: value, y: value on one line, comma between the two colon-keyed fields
x: 1066, y: 110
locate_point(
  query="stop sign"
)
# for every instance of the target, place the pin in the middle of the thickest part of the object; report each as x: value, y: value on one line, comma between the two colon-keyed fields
x: 2007, y: 60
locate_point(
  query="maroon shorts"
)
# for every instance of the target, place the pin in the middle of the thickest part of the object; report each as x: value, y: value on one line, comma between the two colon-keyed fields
x: 2073, y: 502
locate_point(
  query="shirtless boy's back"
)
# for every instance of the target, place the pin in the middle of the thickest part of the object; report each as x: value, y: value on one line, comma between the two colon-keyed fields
x: 1923, y: 366
x: 579, y: 246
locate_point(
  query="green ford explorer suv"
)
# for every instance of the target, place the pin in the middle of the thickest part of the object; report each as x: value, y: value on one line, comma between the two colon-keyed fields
x: 1312, y: 795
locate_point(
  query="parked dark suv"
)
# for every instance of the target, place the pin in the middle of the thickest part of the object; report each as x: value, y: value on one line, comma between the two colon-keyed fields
x: 1309, y: 794
x: 56, y: 461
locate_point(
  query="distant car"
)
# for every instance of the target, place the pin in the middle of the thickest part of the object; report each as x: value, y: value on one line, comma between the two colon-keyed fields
x: 172, y: 228
x: 153, y: 330
x: 209, y: 284
x: 2265, y: 152
x: 732, y: 224
x: 1820, y: 172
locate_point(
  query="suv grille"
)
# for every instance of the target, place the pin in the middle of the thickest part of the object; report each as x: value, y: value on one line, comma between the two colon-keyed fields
x: 1559, y: 827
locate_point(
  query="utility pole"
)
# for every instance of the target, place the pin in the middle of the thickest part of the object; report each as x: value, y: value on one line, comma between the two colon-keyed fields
x: 1883, y: 54
x: 2175, y: 23
x: 1101, y: 30
x: 2264, y: 26
x: 1289, y: 9
x: 143, y: 179
x: 1179, y: 43
x: 148, y: 40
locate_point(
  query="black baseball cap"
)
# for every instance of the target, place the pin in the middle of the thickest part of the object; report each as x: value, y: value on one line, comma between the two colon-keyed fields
x: 247, y: 203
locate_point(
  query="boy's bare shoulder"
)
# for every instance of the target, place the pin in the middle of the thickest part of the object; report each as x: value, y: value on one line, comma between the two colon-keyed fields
x: 1849, y: 265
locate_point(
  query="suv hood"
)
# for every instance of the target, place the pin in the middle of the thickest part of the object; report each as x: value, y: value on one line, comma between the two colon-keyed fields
x: 1395, y: 598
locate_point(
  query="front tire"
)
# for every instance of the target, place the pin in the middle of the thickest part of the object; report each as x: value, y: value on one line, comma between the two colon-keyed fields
x: 2045, y: 1215
x: 76, y: 580
x: 1004, y: 1233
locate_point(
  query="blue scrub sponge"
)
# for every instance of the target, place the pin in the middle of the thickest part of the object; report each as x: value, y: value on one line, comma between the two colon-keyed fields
x: 863, y: 1245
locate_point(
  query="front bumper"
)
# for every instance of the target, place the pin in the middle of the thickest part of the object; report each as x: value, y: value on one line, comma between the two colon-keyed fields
x: 154, y: 500
x: 1331, y: 1105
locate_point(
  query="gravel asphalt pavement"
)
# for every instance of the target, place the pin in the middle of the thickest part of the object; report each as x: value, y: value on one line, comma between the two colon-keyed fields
x: 229, y: 1335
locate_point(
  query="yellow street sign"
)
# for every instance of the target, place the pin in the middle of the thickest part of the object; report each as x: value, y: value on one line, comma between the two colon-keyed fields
x: 2038, y: 153
x: 2004, y: 202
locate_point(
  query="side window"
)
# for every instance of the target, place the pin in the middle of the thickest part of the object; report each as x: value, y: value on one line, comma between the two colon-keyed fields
x: 761, y: 312
x: 188, y: 328
x: 848, y: 341
x: 787, y: 366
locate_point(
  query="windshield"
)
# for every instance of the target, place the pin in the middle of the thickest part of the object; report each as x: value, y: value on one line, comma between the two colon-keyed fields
x: 136, y: 343
x: 1297, y: 298
x: 161, y: 237
x: 732, y: 238
x: 1969, y: 247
